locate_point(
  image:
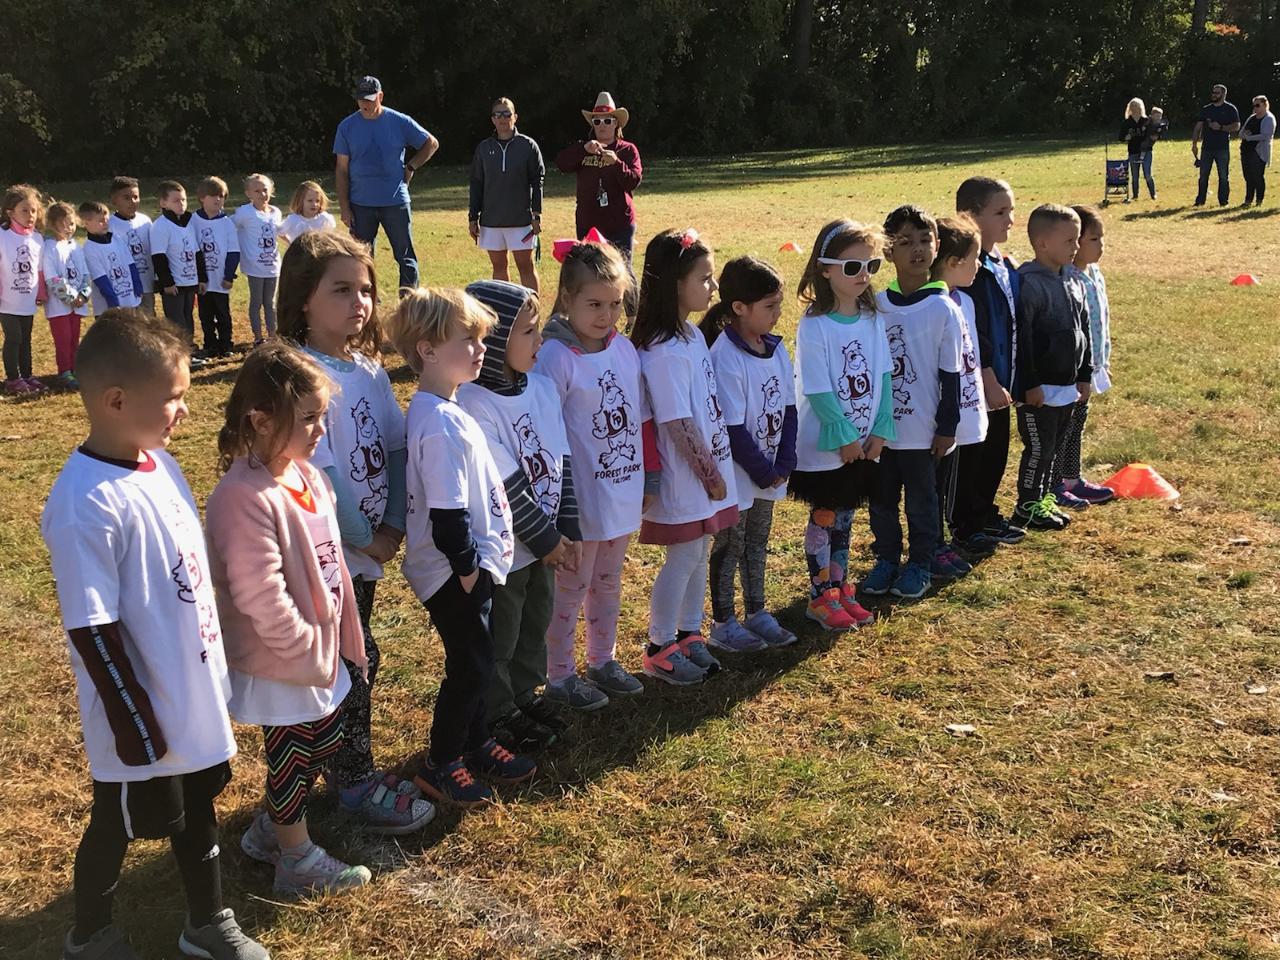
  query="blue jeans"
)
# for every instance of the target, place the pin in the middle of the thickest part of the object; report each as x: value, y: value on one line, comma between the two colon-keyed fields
x: 396, y: 220
x: 1141, y: 162
x: 910, y: 476
x: 1208, y: 159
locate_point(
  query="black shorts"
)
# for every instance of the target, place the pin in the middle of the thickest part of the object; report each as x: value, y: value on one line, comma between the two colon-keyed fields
x: 155, y: 809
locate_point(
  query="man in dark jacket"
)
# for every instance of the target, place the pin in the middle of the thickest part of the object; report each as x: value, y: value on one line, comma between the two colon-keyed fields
x: 506, y: 195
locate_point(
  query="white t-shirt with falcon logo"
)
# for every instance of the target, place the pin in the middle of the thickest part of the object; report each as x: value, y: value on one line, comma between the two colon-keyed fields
x: 178, y: 244
x: 126, y: 545
x: 259, y: 252
x: 111, y: 261
x: 604, y: 407
x: 681, y: 383
x: 19, y: 271
x: 973, y: 403
x: 525, y: 431
x: 924, y: 338
x: 65, y: 259
x: 137, y: 236
x: 755, y: 392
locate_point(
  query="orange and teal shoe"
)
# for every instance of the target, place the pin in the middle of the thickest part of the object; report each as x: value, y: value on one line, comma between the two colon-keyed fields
x: 860, y: 615
x: 828, y: 612
x: 669, y: 664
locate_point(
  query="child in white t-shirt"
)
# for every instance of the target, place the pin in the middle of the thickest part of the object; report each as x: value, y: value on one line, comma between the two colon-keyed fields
x: 596, y: 372
x: 757, y: 392
x: 328, y: 304
x: 923, y: 328
x: 843, y: 409
x: 956, y: 265
x: 134, y: 226
x: 68, y: 285
x: 146, y: 646
x: 696, y: 497
x: 257, y: 223
x: 308, y: 211
x: 21, y: 246
x: 110, y: 263
x: 217, y: 239
x: 519, y: 413
x: 178, y: 260
x: 460, y: 542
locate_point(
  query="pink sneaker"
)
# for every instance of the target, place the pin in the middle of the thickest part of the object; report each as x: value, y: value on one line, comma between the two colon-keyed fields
x: 828, y: 612
x: 860, y: 615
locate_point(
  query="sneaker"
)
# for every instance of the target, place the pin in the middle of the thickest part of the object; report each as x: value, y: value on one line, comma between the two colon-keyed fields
x: 537, y: 708
x: 495, y: 762
x: 1093, y: 492
x: 694, y: 646
x: 221, y: 939
x: 66, y: 380
x: 828, y: 612
x: 317, y: 871
x: 1036, y: 516
x: 35, y: 386
x: 577, y: 694
x: 259, y: 842
x: 766, y: 626
x: 913, y: 582
x: 948, y: 565
x: 452, y: 783
x: 389, y: 812
x: 670, y: 665
x: 881, y: 578
x: 16, y: 387
x: 259, y: 341
x: 977, y: 545
x: 1063, y: 497
x: 613, y: 679
x: 1004, y: 531
x: 520, y: 733
x: 860, y: 615
x: 197, y: 361
x: 107, y: 944
x: 733, y: 637
x: 1050, y: 503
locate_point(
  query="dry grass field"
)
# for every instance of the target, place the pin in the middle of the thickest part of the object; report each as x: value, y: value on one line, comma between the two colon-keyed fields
x: 808, y: 803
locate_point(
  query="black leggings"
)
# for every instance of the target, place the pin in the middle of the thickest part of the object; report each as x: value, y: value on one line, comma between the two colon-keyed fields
x: 17, y: 345
x: 1255, y: 174
x: 180, y: 808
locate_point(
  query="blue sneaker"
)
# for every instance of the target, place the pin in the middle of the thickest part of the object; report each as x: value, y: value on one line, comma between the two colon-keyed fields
x: 452, y: 783
x: 880, y: 579
x: 913, y: 582
x: 495, y: 762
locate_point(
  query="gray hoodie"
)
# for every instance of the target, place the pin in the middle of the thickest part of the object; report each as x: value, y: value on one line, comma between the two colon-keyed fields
x: 1053, y: 330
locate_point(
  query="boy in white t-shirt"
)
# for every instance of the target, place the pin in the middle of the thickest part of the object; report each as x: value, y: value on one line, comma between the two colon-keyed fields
x: 178, y: 261
x: 519, y: 413
x: 135, y: 227
x: 133, y: 583
x: 459, y: 543
x: 111, y: 265
x: 924, y: 347
x: 218, y: 242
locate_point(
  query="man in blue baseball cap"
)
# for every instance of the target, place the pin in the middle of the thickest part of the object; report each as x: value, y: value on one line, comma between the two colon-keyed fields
x: 378, y: 151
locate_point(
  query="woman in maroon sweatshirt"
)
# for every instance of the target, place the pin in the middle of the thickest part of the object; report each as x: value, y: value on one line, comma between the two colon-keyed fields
x: 608, y: 170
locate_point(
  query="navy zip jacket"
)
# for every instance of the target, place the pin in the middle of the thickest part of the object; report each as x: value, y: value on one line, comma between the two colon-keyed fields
x: 997, y: 326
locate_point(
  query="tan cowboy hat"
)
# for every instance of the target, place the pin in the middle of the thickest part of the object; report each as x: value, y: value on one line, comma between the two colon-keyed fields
x: 606, y: 107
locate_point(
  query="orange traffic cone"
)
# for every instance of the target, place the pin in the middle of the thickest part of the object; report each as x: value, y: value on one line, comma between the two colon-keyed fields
x: 1139, y: 481
x: 789, y: 247
x: 1245, y: 280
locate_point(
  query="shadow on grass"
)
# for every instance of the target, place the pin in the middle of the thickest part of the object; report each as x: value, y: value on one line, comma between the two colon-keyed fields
x: 1155, y: 214
x: 1256, y: 213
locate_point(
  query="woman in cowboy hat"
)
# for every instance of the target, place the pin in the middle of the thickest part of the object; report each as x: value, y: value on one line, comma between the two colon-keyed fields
x: 608, y: 170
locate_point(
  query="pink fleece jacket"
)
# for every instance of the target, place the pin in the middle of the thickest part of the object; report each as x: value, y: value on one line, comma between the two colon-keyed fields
x: 277, y: 619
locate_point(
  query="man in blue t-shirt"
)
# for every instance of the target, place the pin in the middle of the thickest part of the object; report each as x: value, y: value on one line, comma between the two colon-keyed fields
x: 1218, y: 121
x: 373, y: 173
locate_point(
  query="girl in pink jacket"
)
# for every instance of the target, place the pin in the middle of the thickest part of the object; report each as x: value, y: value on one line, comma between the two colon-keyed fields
x: 287, y: 605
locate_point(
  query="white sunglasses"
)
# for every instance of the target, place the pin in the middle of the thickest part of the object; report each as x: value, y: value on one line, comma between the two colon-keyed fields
x: 854, y: 268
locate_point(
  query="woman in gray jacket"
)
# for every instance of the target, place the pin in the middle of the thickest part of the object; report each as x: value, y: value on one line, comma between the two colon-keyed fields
x: 1256, y: 135
x: 506, y: 195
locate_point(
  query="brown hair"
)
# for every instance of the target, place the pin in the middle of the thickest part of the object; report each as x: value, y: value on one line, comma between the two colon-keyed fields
x: 1089, y: 216
x: 958, y: 237
x: 591, y: 263
x: 975, y: 193
x: 428, y: 313
x: 503, y: 102
x: 263, y: 179
x: 124, y: 347
x: 833, y: 239
x: 1046, y: 217
x: 14, y: 196
x: 60, y: 212
x: 211, y: 187
x: 305, y: 187
x: 94, y: 208
x: 301, y: 270
x: 668, y: 259
x: 166, y: 187
x: 272, y: 380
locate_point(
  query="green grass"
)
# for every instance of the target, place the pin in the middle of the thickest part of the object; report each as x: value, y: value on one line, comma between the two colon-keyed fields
x: 810, y: 803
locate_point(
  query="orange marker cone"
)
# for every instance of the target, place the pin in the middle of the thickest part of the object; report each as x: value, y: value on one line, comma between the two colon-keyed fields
x: 789, y: 247
x: 1139, y: 481
x: 1245, y: 280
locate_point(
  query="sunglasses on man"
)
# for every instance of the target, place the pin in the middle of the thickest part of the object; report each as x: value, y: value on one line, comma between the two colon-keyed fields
x: 501, y: 114
x: 854, y: 268
x: 606, y: 121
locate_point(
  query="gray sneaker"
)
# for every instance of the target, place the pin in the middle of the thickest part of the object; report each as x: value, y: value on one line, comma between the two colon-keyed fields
x: 576, y: 693
x: 671, y: 666
x: 317, y: 872
x: 766, y: 626
x: 614, y: 680
x: 388, y: 812
x: 259, y: 841
x: 695, y: 648
x: 107, y: 944
x: 220, y: 939
x: 733, y: 637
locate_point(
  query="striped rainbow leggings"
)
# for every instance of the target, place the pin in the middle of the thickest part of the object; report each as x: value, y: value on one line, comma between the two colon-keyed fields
x: 295, y: 755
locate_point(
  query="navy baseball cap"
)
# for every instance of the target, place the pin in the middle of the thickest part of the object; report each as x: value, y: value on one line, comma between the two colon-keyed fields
x: 367, y: 88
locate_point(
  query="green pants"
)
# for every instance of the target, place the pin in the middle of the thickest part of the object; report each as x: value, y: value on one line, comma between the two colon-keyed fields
x: 521, y: 615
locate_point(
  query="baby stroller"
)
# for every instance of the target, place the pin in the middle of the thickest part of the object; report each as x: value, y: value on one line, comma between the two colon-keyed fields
x: 1117, y: 181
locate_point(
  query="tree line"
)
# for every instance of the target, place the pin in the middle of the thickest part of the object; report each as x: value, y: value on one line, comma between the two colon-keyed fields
x: 154, y: 86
